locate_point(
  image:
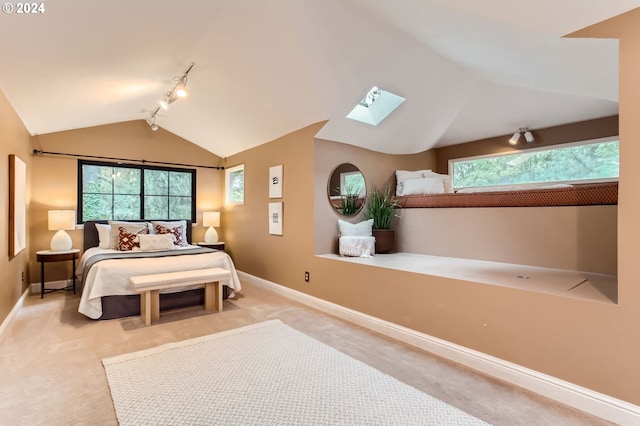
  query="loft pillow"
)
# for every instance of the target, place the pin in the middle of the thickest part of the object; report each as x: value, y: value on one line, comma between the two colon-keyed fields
x: 362, y: 229
x: 128, y: 241
x: 446, y: 179
x: 178, y: 233
x: 403, y: 175
x: 129, y: 226
x: 156, y: 242
x: 430, y: 185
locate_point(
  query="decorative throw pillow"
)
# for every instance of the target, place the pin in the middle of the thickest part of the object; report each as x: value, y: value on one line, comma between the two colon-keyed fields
x: 403, y: 175
x: 362, y: 229
x: 177, y: 232
x: 156, y: 242
x: 172, y: 224
x: 430, y: 185
x: 129, y: 226
x: 127, y: 241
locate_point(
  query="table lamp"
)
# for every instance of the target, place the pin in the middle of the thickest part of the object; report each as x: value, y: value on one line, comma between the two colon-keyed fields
x: 61, y: 220
x: 212, y: 220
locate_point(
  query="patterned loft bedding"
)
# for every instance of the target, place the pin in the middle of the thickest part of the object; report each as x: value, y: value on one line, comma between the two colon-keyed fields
x: 577, y: 195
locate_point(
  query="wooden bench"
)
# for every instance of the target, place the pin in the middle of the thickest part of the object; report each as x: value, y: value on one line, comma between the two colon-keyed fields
x: 149, y: 287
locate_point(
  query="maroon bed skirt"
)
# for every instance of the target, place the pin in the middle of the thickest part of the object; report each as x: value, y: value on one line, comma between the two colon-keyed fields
x: 129, y: 305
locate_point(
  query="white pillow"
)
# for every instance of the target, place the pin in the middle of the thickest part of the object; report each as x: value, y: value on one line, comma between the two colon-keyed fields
x: 430, y: 185
x: 104, y: 235
x: 403, y: 175
x: 132, y: 227
x: 150, y: 242
x: 446, y: 179
x: 362, y: 229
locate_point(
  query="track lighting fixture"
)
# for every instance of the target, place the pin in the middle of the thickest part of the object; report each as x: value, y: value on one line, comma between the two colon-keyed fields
x: 179, y: 90
x: 528, y: 136
x: 151, y: 120
x: 515, y: 138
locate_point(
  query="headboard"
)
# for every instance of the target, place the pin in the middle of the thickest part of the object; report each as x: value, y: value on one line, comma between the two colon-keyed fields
x: 91, y: 233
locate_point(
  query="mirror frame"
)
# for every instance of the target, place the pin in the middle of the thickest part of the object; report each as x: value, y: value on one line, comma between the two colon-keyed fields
x: 354, y: 204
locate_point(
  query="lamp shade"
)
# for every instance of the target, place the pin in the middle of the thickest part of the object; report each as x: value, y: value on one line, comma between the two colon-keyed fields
x: 62, y: 219
x: 211, y: 219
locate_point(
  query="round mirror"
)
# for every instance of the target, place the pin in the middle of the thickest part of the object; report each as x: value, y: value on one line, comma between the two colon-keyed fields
x: 346, y: 189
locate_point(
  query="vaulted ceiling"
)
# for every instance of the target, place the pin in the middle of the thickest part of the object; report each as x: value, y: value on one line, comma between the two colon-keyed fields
x: 468, y: 69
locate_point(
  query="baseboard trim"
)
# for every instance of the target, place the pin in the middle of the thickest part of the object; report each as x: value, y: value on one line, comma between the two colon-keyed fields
x: 54, y: 285
x: 587, y: 400
x: 14, y: 311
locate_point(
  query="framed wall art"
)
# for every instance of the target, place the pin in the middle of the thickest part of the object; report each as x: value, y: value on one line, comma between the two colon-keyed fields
x: 17, y: 205
x: 275, y: 181
x: 275, y: 218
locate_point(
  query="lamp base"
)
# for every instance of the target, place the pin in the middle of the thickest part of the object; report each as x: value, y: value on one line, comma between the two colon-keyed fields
x: 61, y: 241
x: 211, y: 236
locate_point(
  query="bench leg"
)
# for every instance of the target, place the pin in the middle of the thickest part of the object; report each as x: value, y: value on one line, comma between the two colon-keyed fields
x: 213, y: 296
x: 150, y: 306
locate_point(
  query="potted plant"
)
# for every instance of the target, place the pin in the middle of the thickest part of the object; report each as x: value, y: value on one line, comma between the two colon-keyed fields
x: 381, y: 208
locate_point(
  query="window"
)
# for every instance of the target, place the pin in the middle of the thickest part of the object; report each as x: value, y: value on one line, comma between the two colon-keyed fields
x: 351, y: 183
x: 110, y: 191
x: 234, y: 184
x: 579, y: 162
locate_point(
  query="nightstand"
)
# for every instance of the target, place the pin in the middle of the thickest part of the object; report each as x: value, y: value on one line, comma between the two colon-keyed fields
x: 219, y: 245
x: 45, y: 256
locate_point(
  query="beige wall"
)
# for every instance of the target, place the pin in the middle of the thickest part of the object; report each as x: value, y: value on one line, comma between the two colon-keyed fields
x: 581, y: 341
x: 580, y: 238
x: 14, y: 140
x: 588, y: 343
x: 378, y: 170
x: 55, y: 178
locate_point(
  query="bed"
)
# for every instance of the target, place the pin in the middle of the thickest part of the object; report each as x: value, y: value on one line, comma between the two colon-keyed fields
x: 104, y: 272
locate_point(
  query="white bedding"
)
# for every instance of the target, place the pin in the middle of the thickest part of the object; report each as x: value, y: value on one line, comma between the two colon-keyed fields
x: 111, y: 277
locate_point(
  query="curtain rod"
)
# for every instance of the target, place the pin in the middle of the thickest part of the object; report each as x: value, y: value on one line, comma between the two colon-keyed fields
x: 41, y: 152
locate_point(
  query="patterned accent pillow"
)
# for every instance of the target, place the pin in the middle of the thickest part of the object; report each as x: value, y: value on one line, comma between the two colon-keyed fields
x: 178, y: 233
x: 127, y: 241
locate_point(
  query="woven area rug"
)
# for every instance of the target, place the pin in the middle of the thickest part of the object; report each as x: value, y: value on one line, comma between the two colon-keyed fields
x: 264, y: 374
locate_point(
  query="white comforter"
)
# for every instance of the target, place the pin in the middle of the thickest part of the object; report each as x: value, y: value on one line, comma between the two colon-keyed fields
x: 111, y: 277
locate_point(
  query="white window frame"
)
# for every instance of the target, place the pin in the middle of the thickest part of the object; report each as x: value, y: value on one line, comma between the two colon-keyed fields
x: 227, y: 182
x: 452, y: 161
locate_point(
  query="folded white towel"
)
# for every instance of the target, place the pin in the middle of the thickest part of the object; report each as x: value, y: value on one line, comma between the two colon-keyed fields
x: 357, y: 246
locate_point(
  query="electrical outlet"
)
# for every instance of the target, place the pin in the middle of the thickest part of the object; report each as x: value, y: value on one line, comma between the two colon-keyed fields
x: 306, y: 276
x: 22, y: 276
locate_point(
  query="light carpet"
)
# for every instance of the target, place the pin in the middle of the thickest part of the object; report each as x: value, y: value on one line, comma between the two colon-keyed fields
x: 264, y: 374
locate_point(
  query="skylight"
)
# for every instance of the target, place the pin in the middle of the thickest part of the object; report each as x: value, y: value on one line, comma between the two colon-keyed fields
x: 375, y: 106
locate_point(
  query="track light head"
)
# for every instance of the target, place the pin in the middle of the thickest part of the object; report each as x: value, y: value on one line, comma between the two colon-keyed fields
x: 181, y: 87
x: 529, y: 137
x: 515, y: 138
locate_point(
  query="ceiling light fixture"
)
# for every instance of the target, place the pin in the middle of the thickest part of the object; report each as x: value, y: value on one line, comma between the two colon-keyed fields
x: 179, y: 90
x: 151, y: 120
x: 515, y: 138
x: 528, y: 136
